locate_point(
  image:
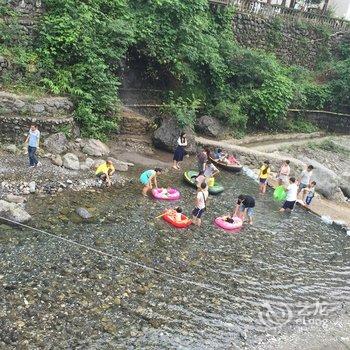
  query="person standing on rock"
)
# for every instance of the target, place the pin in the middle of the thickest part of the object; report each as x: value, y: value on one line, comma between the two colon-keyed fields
x: 179, y: 151
x: 33, y: 139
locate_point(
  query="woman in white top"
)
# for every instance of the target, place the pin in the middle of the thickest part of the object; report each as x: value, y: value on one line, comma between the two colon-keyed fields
x: 179, y: 151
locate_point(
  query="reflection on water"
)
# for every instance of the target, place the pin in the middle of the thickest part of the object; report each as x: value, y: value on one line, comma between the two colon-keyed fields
x: 283, y: 259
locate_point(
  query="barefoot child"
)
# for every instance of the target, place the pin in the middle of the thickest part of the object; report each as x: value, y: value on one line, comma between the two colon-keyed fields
x: 309, y: 193
x: 148, y: 178
x: 263, y: 176
x: 292, y: 194
x: 283, y: 174
x: 304, y: 178
x: 201, y: 199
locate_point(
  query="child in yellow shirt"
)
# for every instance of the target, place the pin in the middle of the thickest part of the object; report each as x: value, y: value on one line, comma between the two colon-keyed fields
x: 263, y: 176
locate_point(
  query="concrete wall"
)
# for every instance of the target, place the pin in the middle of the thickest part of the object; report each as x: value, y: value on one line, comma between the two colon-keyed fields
x: 333, y: 122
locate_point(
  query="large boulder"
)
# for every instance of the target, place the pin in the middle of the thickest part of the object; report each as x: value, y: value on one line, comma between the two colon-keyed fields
x: 345, y: 184
x: 71, y: 161
x: 328, y: 182
x: 165, y: 137
x: 118, y: 164
x: 56, y: 143
x: 14, y: 212
x: 209, y: 126
x: 95, y: 148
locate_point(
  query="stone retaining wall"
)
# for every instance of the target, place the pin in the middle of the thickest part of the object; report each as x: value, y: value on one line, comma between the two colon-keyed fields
x: 16, y: 128
x: 23, y: 105
x: 293, y: 43
x: 18, y: 112
x: 330, y: 121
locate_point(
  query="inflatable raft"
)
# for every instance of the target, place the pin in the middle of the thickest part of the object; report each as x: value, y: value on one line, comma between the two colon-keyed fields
x: 230, y: 166
x: 216, y: 189
x: 234, y: 226
x: 170, y: 218
x: 170, y: 194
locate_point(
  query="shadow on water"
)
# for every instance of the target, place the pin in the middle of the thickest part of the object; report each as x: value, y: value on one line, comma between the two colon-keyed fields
x: 97, y: 302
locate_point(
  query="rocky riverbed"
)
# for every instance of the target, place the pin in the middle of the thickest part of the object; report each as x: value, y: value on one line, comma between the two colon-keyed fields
x: 60, y: 295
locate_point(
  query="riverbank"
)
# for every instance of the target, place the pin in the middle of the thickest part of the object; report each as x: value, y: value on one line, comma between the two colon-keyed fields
x: 331, y: 211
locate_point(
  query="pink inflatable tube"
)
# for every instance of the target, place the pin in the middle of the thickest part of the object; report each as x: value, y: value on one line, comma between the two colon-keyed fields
x: 236, y: 225
x: 166, y: 193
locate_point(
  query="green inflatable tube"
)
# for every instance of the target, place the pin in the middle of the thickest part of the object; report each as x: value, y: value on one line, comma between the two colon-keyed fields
x: 216, y: 189
x: 280, y: 194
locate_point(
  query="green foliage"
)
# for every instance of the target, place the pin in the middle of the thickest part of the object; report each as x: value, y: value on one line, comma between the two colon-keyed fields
x: 81, y: 44
x: 268, y: 105
x: 231, y: 114
x: 301, y: 125
x: 329, y: 146
x: 184, y: 110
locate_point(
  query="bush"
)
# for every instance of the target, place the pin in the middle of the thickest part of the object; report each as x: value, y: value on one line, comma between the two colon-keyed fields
x: 231, y: 114
x: 268, y: 105
x: 184, y: 110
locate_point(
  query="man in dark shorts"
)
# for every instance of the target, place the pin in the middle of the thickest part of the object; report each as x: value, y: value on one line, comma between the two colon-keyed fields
x: 201, y: 199
x: 245, y: 206
x: 292, y: 195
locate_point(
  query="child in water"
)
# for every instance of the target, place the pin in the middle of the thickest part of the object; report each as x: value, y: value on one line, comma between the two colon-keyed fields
x: 176, y: 214
x: 309, y: 193
x: 263, y: 176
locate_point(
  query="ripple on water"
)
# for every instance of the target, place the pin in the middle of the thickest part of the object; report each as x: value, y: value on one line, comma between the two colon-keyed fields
x: 292, y: 258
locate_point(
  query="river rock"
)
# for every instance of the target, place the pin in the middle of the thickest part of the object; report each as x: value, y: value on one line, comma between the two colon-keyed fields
x: 328, y: 182
x: 71, y: 161
x: 97, y: 163
x: 14, y: 212
x: 118, y: 164
x: 345, y: 184
x: 87, y: 164
x: 95, y: 148
x: 57, y: 160
x: 83, y: 213
x: 165, y: 137
x: 15, y: 199
x: 209, y: 126
x: 32, y: 187
x: 11, y: 149
x: 56, y: 143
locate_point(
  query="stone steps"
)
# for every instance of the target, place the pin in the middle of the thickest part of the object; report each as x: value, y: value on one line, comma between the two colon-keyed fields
x: 133, y: 123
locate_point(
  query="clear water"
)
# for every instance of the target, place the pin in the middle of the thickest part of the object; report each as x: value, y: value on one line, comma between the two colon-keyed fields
x: 282, y: 259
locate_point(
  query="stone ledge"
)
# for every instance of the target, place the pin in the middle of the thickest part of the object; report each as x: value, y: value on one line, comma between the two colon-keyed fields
x: 25, y: 105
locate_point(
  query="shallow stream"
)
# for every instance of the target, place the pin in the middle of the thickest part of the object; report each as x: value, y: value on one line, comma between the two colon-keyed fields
x: 253, y: 285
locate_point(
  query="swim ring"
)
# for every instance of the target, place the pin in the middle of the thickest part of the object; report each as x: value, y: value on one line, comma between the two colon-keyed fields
x: 234, y: 226
x: 170, y: 218
x: 279, y: 194
x: 166, y: 194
